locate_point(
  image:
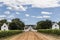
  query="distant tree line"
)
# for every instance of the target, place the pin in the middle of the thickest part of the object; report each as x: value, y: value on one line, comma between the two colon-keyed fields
x: 46, y: 24
x: 15, y: 24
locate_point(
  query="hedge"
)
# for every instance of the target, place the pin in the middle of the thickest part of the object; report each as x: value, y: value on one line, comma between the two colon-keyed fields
x: 50, y: 31
x: 9, y: 33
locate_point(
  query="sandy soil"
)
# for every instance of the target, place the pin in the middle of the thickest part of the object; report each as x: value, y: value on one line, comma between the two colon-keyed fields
x: 32, y: 36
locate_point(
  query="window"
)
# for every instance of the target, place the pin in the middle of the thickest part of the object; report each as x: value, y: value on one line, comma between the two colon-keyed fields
x: 4, y: 26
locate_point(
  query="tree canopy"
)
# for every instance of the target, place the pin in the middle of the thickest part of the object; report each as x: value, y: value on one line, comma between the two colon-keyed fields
x: 15, y: 24
x: 47, y: 24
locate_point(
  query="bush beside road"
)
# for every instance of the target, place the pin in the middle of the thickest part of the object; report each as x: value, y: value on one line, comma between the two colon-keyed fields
x: 9, y: 33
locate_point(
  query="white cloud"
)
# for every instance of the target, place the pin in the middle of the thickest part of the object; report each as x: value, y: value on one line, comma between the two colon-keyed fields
x: 14, y: 4
x: 7, y: 12
x: 17, y: 13
x: 33, y: 16
x: 1, y: 5
x: 46, y: 16
x: 11, y: 16
x: 39, y: 17
x: 25, y: 19
x: 27, y: 15
x: 36, y: 16
x: 46, y: 12
x: 2, y: 16
x: 10, y: 8
x: 45, y: 3
x: 17, y: 4
x: 20, y: 8
x: 7, y: 17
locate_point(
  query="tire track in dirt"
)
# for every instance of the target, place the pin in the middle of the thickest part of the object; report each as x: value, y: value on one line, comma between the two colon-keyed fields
x: 40, y: 37
x: 32, y: 36
x: 45, y: 37
x: 19, y: 37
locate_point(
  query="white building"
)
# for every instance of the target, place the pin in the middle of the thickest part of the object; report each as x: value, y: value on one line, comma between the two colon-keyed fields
x: 55, y: 26
x: 29, y: 29
x: 4, y: 27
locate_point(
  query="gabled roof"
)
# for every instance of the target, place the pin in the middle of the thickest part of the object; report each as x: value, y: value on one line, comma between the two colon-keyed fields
x: 4, y: 24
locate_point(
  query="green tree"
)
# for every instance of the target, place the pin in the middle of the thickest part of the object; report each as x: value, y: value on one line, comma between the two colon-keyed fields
x: 47, y: 24
x: 16, y: 24
x: 59, y: 23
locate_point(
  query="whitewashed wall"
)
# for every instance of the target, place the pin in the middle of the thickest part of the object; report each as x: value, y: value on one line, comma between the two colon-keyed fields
x: 55, y: 26
x: 4, y: 27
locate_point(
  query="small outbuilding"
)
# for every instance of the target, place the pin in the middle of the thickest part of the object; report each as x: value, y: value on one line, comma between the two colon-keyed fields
x: 4, y: 27
x: 55, y: 26
x: 30, y: 28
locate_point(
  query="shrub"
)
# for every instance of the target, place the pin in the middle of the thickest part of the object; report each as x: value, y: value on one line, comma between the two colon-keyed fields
x: 9, y: 33
x: 50, y: 31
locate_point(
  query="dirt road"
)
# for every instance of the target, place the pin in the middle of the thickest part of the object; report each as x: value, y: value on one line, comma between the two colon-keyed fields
x: 32, y: 36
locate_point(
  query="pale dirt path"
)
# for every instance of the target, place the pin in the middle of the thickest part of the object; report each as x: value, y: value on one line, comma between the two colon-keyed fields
x: 32, y: 36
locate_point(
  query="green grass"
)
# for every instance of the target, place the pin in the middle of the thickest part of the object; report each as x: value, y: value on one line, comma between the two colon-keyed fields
x: 50, y: 31
x: 9, y: 33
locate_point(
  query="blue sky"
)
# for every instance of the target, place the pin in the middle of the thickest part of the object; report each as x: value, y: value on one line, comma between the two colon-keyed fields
x: 30, y: 11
